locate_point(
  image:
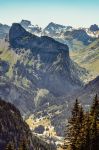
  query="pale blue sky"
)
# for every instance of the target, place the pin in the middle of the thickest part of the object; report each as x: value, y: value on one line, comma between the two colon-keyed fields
x: 41, y: 12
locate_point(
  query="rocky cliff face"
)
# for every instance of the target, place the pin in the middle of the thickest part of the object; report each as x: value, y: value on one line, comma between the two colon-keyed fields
x: 55, y: 66
x: 36, y: 65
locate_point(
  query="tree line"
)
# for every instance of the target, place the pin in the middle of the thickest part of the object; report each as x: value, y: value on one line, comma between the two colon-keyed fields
x: 83, y: 127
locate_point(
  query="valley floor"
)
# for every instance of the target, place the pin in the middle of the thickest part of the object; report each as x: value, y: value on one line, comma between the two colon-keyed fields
x: 49, y: 135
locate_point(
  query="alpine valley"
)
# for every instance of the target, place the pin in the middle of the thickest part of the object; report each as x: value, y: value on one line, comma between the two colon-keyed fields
x: 43, y: 71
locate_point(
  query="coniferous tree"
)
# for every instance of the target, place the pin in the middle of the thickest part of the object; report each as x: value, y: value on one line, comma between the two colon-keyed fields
x: 65, y: 137
x: 94, y: 133
x: 81, y: 116
x: 95, y: 106
x: 86, y: 135
x: 74, y: 125
x: 80, y: 124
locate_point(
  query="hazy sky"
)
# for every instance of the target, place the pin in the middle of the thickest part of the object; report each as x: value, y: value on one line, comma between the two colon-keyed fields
x: 41, y: 12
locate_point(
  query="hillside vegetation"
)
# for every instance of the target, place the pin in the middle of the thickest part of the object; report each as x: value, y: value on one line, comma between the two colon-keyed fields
x: 88, y: 58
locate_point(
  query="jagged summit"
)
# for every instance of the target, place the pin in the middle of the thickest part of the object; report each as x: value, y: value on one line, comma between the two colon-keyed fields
x: 54, y: 30
x: 57, y: 26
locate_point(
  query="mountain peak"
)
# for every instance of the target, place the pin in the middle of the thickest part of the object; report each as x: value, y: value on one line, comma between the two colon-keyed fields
x: 18, y: 29
x: 52, y: 24
x: 25, y: 23
x: 55, y: 30
x: 94, y: 28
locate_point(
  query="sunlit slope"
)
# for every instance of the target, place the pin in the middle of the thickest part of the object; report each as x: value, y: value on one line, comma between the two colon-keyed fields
x: 11, y: 57
x: 88, y: 57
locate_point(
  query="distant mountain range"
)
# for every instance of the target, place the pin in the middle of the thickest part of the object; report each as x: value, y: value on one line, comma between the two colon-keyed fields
x: 75, y: 38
